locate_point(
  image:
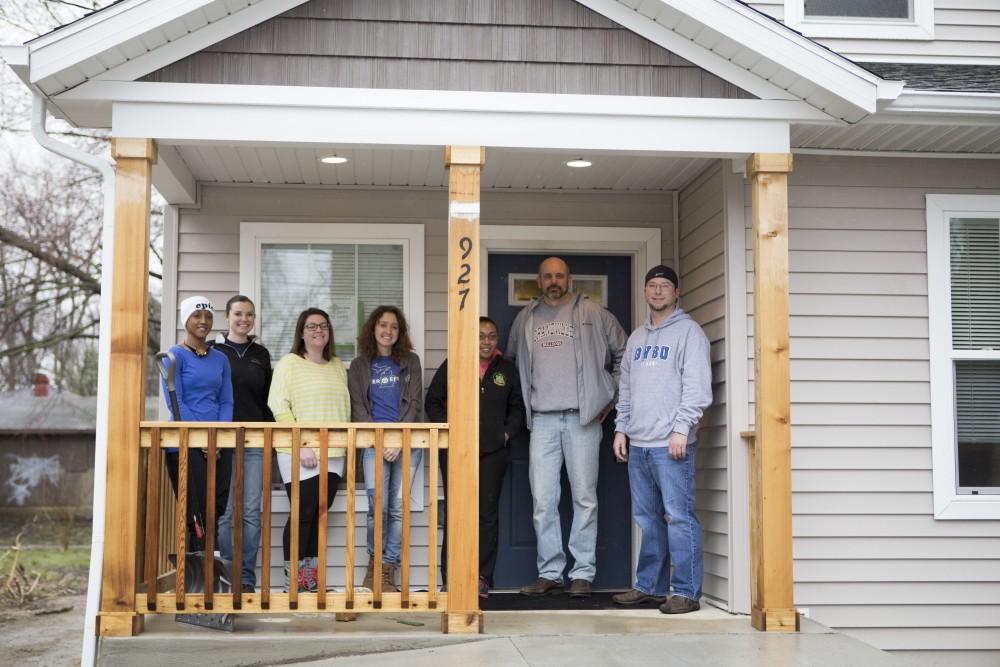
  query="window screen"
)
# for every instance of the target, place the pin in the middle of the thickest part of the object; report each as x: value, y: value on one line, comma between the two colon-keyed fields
x: 346, y: 280
x: 878, y: 9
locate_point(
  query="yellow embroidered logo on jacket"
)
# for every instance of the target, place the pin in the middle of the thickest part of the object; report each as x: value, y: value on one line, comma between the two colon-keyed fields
x: 499, y: 379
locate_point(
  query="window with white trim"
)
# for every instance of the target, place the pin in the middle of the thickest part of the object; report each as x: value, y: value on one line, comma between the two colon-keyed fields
x: 963, y: 274
x: 345, y: 269
x: 862, y: 19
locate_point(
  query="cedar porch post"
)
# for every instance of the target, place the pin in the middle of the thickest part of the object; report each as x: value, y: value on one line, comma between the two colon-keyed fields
x: 134, y: 160
x: 771, y: 473
x: 464, y: 165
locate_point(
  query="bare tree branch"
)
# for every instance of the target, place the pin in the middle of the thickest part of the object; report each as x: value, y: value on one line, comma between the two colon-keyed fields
x: 86, y: 280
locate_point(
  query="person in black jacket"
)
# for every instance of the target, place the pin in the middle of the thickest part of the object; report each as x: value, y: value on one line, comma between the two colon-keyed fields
x: 501, y: 418
x: 251, y: 365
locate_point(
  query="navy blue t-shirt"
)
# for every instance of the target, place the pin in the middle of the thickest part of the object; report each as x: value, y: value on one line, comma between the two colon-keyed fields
x: 385, y: 390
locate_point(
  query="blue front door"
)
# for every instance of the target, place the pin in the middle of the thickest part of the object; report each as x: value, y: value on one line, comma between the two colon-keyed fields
x: 516, y: 558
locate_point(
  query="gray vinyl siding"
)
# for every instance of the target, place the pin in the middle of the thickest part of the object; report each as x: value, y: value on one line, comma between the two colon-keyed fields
x: 964, y: 31
x: 870, y: 559
x: 208, y: 263
x: 702, y: 274
x: 535, y: 46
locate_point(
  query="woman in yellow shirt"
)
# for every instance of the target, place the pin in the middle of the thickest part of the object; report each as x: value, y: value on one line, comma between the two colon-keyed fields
x: 309, y: 385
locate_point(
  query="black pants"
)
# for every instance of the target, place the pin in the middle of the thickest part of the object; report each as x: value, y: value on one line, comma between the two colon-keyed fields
x: 308, y: 515
x: 492, y: 469
x: 197, y: 488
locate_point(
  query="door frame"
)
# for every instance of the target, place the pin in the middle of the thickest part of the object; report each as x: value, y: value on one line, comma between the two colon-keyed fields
x: 642, y: 244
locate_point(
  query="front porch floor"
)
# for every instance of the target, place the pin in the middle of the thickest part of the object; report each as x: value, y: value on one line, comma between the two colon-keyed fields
x: 628, y: 637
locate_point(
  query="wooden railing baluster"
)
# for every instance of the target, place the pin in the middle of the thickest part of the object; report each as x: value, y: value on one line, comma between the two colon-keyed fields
x: 182, y: 484
x: 265, y: 523
x: 236, y: 532
x: 210, y: 489
x: 324, y: 452
x: 152, y: 518
x: 379, y: 509
x: 352, y: 451
x: 293, y: 546
x: 432, y: 520
x: 404, y: 563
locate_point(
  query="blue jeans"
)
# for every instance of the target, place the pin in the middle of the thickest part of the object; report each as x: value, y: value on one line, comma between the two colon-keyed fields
x: 392, y: 503
x: 253, y: 479
x: 557, y: 437
x: 662, y: 486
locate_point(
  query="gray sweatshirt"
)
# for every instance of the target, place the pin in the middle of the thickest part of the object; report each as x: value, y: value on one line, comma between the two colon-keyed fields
x: 666, y: 381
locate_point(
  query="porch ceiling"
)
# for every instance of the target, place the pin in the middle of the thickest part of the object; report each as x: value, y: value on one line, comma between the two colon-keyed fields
x: 424, y: 167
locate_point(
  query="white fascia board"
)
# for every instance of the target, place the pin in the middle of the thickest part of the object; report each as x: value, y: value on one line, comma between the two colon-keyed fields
x: 789, y: 49
x: 64, y: 49
x: 172, y: 178
x: 687, y: 49
x: 229, y: 95
x: 198, y: 40
x: 213, y: 123
x: 778, y: 44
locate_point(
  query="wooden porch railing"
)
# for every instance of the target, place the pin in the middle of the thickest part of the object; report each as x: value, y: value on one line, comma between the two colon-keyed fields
x: 163, y: 531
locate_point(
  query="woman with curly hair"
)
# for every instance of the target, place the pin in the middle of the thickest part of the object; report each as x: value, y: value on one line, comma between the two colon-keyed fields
x: 386, y: 385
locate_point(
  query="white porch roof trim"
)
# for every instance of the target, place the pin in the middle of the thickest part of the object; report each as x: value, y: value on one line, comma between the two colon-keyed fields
x: 132, y: 38
x: 220, y: 113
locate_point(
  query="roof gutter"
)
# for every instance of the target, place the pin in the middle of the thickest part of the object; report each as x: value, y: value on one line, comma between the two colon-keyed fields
x: 104, y: 167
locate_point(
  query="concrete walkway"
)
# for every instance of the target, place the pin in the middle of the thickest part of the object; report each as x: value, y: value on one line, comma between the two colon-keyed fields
x: 600, y: 638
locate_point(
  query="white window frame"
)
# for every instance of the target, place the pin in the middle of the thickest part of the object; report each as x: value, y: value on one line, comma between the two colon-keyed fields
x: 948, y: 502
x: 921, y: 26
x: 253, y: 235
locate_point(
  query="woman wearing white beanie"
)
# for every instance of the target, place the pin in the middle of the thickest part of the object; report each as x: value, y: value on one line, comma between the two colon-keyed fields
x: 204, y: 389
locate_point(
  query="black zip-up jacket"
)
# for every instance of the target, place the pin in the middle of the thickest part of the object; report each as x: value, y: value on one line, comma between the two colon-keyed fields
x: 251, y: 379
x: 501, y: 408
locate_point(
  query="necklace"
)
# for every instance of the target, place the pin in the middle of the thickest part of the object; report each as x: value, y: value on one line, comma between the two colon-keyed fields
x: 196, y: 352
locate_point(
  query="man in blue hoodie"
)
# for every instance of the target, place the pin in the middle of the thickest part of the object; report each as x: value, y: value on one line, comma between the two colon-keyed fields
x: 665, y: 385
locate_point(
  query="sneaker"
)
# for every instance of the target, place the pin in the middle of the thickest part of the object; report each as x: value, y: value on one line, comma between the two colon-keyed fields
x: 579, y: 588
x: 633, y: 597
x: 678, y: 604
x: 249, y: 588
x: 484, y: 588
x: 542, y: 587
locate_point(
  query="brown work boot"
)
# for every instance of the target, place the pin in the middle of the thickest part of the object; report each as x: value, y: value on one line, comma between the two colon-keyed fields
x: 633, y: 597
x: 369, y: 580
x: 389, y: 577
x: 579, y: 588
x: 542, y: 587
x: 678, y: 604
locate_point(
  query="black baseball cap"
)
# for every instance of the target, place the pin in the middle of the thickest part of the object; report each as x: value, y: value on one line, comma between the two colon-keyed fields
x: 661, y: 271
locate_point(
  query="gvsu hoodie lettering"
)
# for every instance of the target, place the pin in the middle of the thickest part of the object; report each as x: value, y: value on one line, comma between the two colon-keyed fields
x: 666, y: 381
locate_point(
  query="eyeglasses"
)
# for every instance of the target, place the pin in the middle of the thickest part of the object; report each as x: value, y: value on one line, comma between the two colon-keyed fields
x: 659, y: 287
x: 313, y: 326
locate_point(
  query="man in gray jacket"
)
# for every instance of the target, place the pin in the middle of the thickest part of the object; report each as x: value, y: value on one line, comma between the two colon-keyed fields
x: 568, y: 351
x: 666, y: 384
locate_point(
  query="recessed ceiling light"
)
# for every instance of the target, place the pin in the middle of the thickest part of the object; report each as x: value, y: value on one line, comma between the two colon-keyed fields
x: 333, y: 159
x: 579, y: 164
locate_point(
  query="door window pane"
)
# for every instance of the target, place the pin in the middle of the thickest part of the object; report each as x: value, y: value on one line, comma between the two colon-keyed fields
x: 977, y: 421
x: 880, y: 9
x: 346, y: 280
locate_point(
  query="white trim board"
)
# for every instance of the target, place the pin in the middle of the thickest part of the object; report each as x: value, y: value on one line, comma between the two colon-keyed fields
x: 948, y: 503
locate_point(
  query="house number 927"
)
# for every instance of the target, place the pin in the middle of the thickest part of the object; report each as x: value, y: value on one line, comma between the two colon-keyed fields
x: 465, y: 245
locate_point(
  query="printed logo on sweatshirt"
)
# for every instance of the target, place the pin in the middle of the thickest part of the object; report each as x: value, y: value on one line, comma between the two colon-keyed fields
x: 650, y: 352
x: 555, y: 330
